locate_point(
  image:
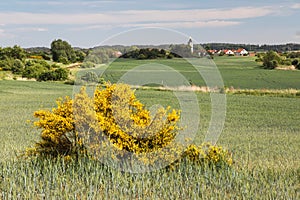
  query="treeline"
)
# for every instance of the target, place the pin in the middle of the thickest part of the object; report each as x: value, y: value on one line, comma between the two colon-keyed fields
x: 178, y: 51
x: 37, y: 63
x: 253, y: 47
x: 15, y: 59
x: 217, y: 46
x: 148, y: 53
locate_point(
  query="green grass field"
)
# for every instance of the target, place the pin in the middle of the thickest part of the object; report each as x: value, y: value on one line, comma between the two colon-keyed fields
x: 262, y: 132
x: 237, y: 72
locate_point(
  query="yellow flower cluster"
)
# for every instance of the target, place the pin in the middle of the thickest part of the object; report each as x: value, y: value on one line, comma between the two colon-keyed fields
x: 113, y: 113
x: 128, y: 125
x: 55, y: 127
x: 114, y: 124
x: 209, y: 153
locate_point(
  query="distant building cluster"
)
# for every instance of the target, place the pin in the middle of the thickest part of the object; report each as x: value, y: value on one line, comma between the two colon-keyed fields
x: 230, y: 52
x: 236, y: 52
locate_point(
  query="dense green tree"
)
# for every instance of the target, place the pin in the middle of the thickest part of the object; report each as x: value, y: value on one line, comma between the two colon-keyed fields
x: 14, y: 52
x: 33, y: 68
x: 63, y: 60
x: 58, y: 74
x: 6, y: 63
x: 18, y: 53
x: 33, y: 71
x: 207, y: 47
x: 11, y: 59
x: 61, y: 74
x: 295, y: 62
x: 62, y: 51
x: 18, y: 67
x: 271, y: 60
x: 141, y: 56
x: 46, y: 76
x: 80, y: 55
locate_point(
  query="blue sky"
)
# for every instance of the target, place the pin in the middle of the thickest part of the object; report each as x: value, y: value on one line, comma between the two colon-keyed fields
x: 89, y: 23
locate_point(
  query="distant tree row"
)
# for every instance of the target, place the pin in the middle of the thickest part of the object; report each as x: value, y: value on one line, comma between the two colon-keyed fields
x: 14, y: 52
x: 147, y: 53
x: 178, y: 50
x: 251, y: 47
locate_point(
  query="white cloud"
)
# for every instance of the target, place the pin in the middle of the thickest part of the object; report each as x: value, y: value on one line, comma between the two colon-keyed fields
x: 32, y: 29
x: 201, y: 14
x: 165, y: 18
x: 71, y: 3
x: 200, y: 24
x: 296, y: 6
x: 41, y: 29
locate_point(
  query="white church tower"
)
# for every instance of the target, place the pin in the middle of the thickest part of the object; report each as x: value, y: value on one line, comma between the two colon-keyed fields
x: 190, y: 44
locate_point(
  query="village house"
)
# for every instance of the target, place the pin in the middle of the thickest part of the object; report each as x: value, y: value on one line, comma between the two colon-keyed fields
x: 225, y: 51
x: 228, y: 52
x: 241, y: 52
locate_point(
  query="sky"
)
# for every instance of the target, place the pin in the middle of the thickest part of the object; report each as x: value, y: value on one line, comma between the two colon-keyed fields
x: 89, y: 23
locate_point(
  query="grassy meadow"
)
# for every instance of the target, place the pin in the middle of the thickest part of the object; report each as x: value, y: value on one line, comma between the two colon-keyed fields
x: 237, y: 72
x: 262, y: 132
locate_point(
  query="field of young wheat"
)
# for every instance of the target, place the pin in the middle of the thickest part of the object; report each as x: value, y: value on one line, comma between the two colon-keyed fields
x: 262, y: 132
x: 237, y: 72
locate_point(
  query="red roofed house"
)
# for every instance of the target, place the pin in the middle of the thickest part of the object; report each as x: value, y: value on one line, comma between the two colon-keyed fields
x: 228, y: 52
x: 241, y: 52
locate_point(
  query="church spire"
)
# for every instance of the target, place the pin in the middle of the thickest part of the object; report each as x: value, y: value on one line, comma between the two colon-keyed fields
x: 190, y: 44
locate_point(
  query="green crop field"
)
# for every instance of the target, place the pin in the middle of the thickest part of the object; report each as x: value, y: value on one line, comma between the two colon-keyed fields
x: 246, y: 73
x: 237, y: 72
x: 262, y: 132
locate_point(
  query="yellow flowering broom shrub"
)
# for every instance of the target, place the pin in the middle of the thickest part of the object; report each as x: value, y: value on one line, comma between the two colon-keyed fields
x: 114, y: 124
x: 113, y: 112
x: 58, y: 135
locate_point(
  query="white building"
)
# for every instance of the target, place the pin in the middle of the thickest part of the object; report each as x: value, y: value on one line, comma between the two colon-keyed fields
x: 191, y: 45
x: 241, y: 52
